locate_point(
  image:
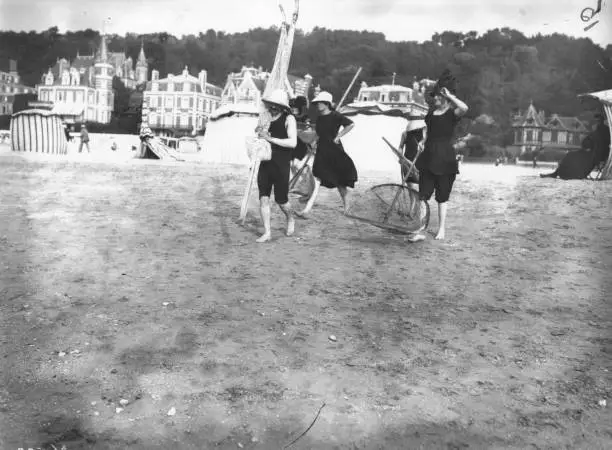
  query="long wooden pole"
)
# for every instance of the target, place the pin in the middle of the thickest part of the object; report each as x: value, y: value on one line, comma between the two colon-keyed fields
x: 282, y: 48
x: 348, y: 89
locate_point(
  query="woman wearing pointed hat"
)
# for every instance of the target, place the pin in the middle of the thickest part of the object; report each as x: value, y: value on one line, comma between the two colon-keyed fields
x: 332, y: 167
x: 438, y: 166
x: 282, y: 136
x: 411, y: 138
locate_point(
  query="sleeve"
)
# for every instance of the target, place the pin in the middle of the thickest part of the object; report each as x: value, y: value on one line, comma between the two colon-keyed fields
x: 344, y: 121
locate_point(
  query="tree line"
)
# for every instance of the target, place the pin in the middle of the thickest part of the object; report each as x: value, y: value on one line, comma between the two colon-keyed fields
x: 498, y: 72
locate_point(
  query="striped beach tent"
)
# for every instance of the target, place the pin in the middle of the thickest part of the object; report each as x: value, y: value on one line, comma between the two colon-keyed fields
x: 38, y: 130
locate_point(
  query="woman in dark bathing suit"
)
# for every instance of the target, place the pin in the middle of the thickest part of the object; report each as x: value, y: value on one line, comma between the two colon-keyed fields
x: 438, y: 166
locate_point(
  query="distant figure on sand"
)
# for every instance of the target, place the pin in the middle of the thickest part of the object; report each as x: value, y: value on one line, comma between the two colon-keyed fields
x: 67, y: 132
x: 411, y: 137
x: 282, y: 136
x: 438, y: 166
x: 577, y: 165
x: 332, y: 167
x: 84, y: 139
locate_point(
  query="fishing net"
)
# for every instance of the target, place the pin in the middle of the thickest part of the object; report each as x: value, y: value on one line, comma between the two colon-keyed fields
x: 393, y: 207
x: 303, y: 186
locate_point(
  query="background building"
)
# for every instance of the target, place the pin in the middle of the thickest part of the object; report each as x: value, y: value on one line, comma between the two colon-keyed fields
x: 246, y: 87
x: 82, y: 91
x: 533, y: 131
x: 123, y: 68
x: 410, y: 100
x: 10, y: 86
x: 179, y: 102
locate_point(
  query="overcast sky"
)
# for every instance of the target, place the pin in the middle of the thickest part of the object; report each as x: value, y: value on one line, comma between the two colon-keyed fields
x: 414, y: 20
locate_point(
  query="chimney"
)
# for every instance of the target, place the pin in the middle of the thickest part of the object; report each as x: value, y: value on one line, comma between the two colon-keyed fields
x: 203, y: 78
x: 155, y: 75
x: 12, y: 67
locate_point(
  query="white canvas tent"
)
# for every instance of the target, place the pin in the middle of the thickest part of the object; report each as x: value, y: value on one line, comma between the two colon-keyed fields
x: 224, y: 140
x: 365, y: 146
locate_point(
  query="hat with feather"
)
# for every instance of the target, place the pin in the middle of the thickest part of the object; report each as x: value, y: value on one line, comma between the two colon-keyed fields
x: 446, y: 80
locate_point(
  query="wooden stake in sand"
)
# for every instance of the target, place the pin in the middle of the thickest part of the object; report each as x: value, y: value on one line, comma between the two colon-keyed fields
x: 245, y: 199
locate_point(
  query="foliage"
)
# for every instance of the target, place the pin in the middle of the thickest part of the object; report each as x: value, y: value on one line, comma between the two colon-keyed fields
x: 498, y: 72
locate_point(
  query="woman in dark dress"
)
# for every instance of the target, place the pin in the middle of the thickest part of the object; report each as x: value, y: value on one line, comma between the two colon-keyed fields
x: 332, y: 167
x: 438, y: 166
x: 282, y: 136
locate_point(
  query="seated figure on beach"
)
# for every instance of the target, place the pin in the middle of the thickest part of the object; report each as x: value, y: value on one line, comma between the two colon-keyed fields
x: 577, y: 165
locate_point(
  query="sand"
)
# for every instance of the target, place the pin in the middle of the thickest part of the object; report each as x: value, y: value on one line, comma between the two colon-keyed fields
x: 137, y: 272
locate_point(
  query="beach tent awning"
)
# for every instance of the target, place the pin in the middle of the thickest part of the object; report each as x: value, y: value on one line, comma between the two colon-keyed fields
x: 602, y: 96
x: 231, y: 109
x: 68, y: 109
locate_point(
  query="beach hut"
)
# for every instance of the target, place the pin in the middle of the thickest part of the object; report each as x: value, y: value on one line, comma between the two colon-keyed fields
x: 605, y: 97
x: 37, y: 130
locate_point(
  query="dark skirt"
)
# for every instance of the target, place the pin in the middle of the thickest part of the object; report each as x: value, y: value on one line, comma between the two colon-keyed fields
x: 576, y: 165
x: 333, y: 167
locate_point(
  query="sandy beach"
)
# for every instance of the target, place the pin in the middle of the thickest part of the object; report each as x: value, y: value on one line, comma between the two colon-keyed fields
x: 137, y: 313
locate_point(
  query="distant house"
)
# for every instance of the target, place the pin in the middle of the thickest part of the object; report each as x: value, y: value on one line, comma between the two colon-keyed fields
x: 10, y: 86
x: 80, y: 91
x: 129, y: 73
x: 533, y: 131
x: 179, y: 102
x: 412, y: 100
x: 243, y: 90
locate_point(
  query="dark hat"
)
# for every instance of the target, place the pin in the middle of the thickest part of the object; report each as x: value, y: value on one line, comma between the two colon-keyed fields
x: 298, y: 102
x: 446, y: 80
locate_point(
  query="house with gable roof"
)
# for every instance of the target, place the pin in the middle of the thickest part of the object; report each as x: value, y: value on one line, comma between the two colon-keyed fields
x: 533, y: 131
x: 243, y: 90
x: 10, y: 86
x: 82, y: 90
x: 179, y: 103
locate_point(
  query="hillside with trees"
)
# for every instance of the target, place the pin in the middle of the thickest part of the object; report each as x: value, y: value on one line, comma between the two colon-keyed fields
x: 499, y: 72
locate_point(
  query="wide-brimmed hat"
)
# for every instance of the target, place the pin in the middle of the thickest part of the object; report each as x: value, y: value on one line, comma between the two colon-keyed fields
x: 277, y: 97
x: 415, y: 125
x: 323, y: 97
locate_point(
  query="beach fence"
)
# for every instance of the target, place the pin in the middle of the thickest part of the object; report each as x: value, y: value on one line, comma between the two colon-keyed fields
x: 39, y: 131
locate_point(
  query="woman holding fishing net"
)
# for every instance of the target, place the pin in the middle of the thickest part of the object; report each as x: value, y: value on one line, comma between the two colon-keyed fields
x: 274, y: 173
x: 438, y: 166
x: 332, y: 167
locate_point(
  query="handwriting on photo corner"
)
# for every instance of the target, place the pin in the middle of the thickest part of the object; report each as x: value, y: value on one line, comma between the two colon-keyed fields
x: 587, y: 14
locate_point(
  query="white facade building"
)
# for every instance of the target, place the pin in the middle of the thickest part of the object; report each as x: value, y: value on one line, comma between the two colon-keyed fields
x: 179, y: 102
